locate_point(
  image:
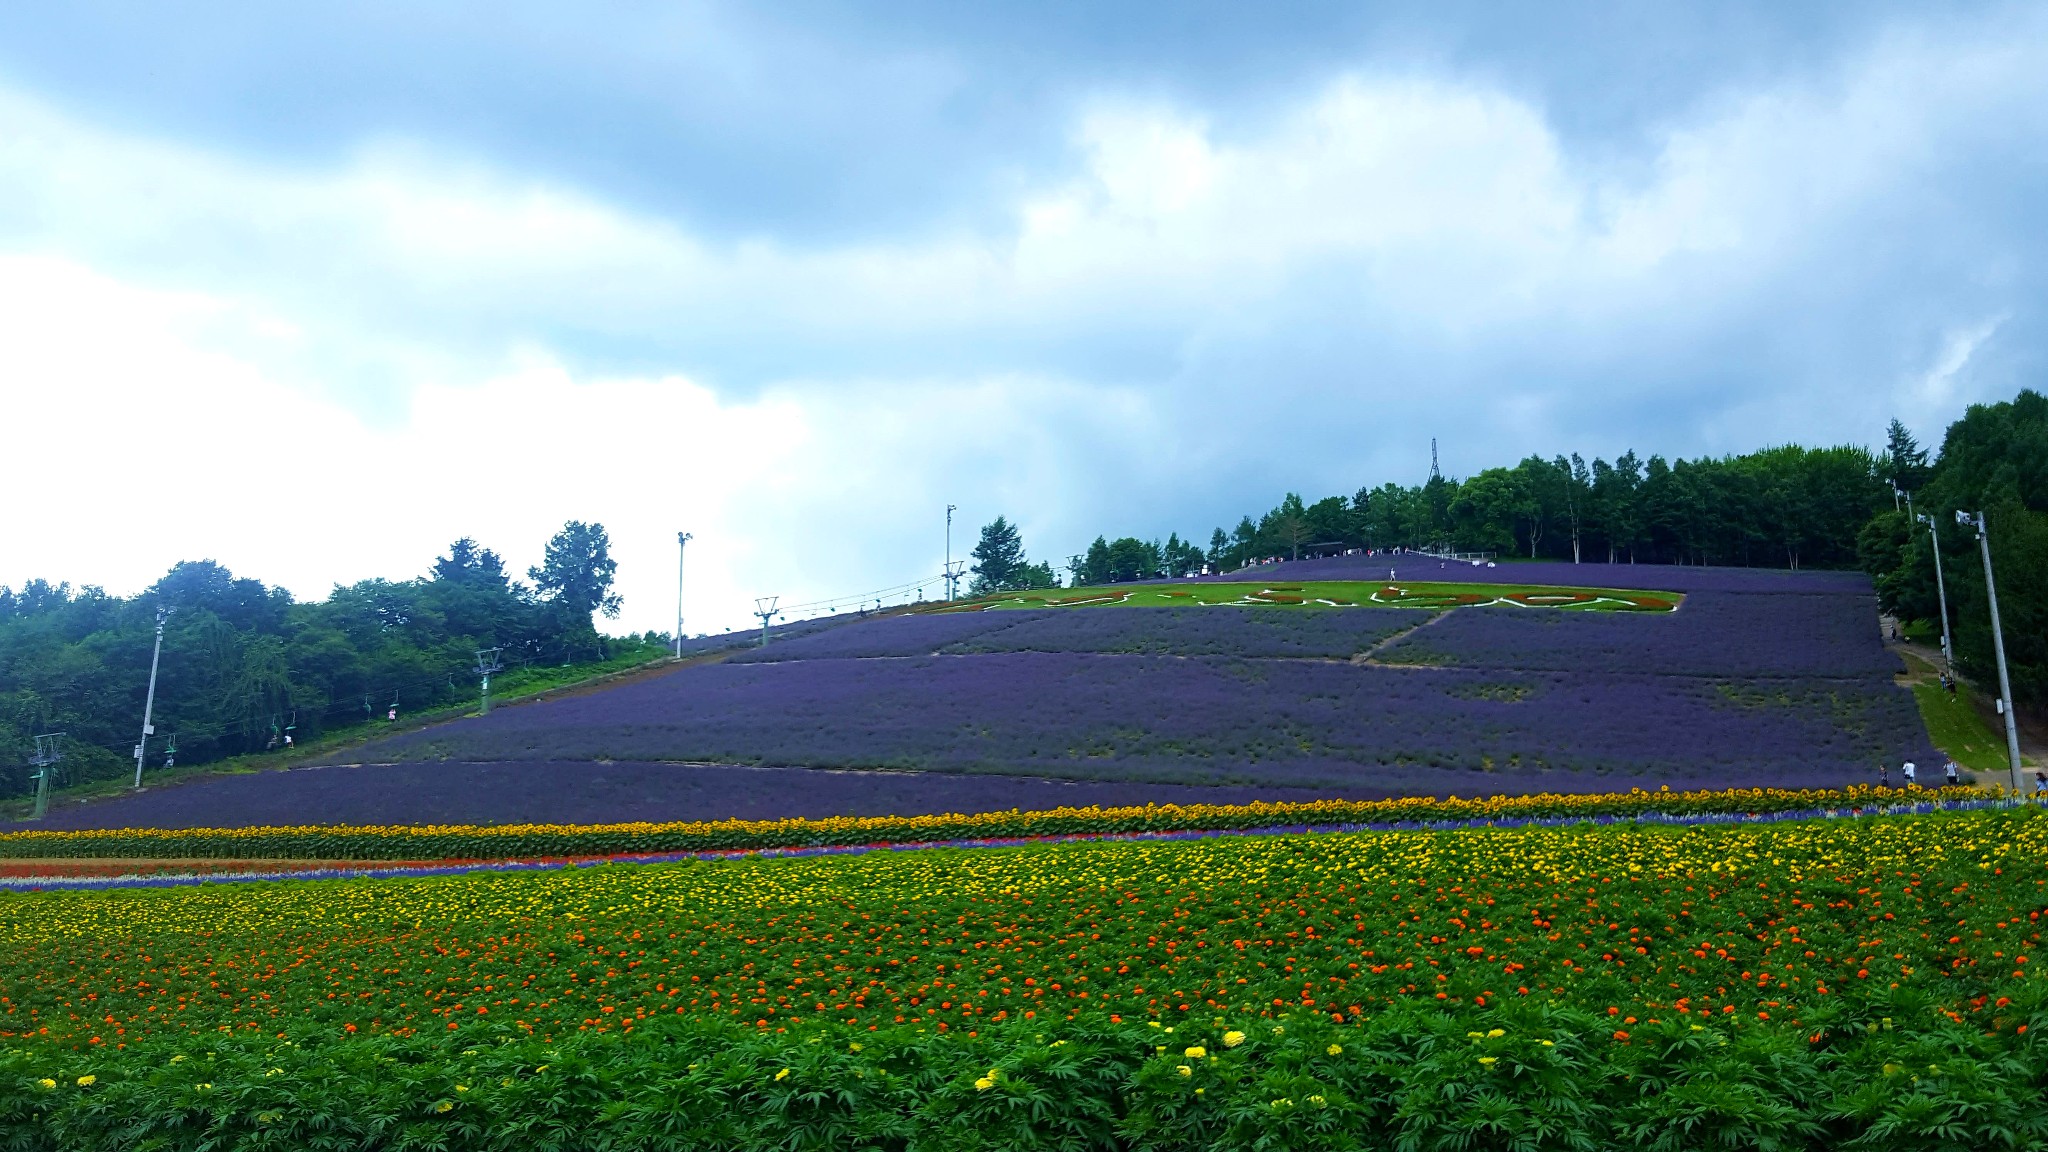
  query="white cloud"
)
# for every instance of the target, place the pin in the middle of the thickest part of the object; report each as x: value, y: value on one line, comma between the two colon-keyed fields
x: 322, y: 375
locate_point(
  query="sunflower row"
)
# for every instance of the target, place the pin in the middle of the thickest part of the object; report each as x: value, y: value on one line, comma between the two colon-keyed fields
x: 480, y: 842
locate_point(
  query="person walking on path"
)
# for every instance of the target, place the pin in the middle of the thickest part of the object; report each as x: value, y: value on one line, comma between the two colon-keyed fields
x: 2040, y: 785
x: 1884, y: 774
x: 1911, y: 775
x: 1949, y: 770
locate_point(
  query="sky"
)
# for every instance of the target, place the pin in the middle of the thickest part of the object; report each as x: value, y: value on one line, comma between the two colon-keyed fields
x: 314, y: 290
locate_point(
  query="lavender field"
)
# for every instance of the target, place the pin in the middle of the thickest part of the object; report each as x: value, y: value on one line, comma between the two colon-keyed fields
x: 586, y: 792
x: 1267, y: 722
x: 1330, y: 633
x: 1760, y: 678
x: 1718, y: 634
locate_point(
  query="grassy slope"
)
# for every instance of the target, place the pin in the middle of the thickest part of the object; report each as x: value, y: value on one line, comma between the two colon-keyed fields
x: 511, y: 687
x: 1957, y: 726
x: 1408, y: 594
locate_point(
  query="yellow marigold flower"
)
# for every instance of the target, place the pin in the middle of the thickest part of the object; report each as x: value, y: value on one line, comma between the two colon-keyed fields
x: 1497, y: 1033
x: 46, y: 1083
x: 1196, y: 1053
x: 462, y: 1087
x: 1185, y: 1070
x: 1488, y: 1060
x: 1549, y: 1044
x: 1232, y: 1039
x: 1334, y: 1050
x: 1316, y: 1100
x: 444, y: 1106
x: 984, y: 1084
x: 853, y: 1047
x: 87, y: 1081
x: 782, y: 1075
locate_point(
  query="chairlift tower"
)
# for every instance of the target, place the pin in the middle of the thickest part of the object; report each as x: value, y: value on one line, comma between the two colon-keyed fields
x: 487, y: 662
x: 764, y: 607
x: 149, y: 701
x: 951, y: 576
x: 49, y: 750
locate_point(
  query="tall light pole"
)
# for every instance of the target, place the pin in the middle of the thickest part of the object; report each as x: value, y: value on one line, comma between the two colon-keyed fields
x: 2012, y: 730
x: 1948, y: 652
x: 149, y: 701
x: 764, y: 607
x: 950, y: 509
x: 682, y: 541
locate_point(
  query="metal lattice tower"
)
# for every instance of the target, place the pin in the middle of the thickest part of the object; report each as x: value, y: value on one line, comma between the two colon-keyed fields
x: 487, y: 662
x: 764, y: 607
x: 49, y: 750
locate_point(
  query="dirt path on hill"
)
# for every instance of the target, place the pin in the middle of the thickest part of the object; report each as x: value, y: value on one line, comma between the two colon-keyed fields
x: 1923, y: 666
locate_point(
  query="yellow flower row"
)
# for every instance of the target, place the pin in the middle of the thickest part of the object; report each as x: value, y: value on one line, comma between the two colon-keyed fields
x: 458, y: 841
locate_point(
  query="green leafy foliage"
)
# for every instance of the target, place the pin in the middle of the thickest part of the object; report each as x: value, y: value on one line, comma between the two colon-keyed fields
x: 244, y: 665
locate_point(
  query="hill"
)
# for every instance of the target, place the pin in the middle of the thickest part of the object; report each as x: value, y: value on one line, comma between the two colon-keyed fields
x: 1773, y: 678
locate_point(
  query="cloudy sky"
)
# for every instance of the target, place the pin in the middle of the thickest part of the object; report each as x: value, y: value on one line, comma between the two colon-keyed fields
x: 314, y: 291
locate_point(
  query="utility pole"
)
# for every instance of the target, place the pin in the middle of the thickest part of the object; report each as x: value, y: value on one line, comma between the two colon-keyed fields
x: 1948, y: 652
x: 49, y: 750
x: 764, y: 607
x: 487, y: 662
x: 149, y: 701
x: 950, y: 509
x: 682, y: 540
x: 2012, y: 729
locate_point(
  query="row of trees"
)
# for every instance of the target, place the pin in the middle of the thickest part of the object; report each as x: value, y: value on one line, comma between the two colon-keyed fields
x: 1782, y: 507
x: 1995, y: 461
x: 244, y: 663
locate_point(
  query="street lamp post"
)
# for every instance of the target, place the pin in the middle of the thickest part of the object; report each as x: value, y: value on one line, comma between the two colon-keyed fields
x: 682, y: 540
x: 2012, y: 730
x: 1948, y: 652
x: 149, y: 701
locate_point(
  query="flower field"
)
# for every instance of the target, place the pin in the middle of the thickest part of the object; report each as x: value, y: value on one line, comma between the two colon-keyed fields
x: 1168, y: 631
x: 1776, y: 679
x: 1794, y: 985
x: 1717, y: 634
x: 1219, y: 721
x: 523, y: 841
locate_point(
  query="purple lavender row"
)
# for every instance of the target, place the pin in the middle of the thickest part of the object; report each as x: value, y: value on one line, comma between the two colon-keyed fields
x: 1924, y: 808
x: 1329, y: 633
x: 1713, y: 634
x: 1263, y: 722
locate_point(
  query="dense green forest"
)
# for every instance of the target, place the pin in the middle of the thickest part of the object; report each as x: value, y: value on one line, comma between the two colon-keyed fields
x: 1993, y: 460
x: 244, y: 664
x: 1785, y: 507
